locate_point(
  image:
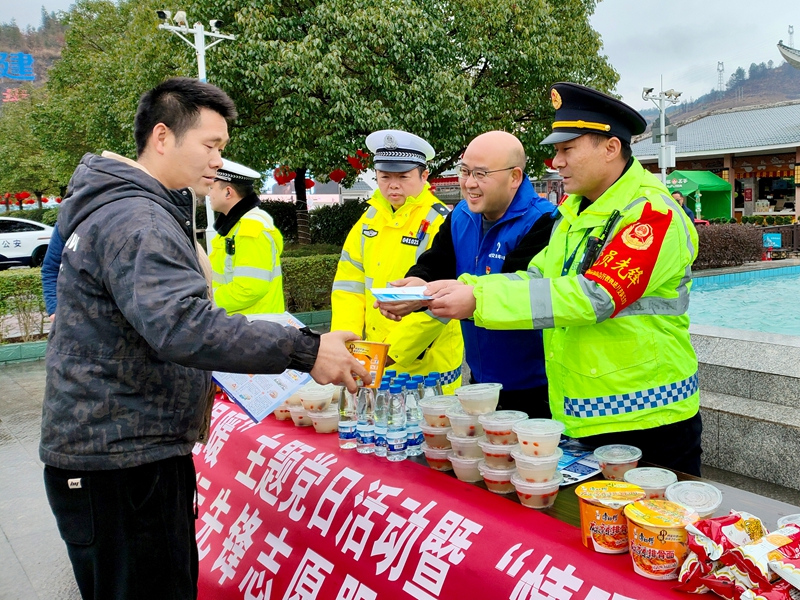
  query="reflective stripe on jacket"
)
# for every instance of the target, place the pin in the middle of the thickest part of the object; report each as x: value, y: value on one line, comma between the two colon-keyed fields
x: 380, y: 248
x: 250, y: 280
x: 617, y: 347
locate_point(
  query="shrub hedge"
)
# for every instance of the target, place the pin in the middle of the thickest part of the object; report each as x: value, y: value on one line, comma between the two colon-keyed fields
x: 307, y: 282
x: 727, y: 245
x: 21, y: 299
x: 46, y: 216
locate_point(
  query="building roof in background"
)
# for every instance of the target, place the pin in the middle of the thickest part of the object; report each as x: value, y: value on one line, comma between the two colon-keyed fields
x: 360, y: 186
x: 733, y: 130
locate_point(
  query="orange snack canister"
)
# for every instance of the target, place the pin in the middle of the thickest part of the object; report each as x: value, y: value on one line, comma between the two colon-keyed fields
x: 657, y: 536
x: 604, y: 528
x: 373, y: 356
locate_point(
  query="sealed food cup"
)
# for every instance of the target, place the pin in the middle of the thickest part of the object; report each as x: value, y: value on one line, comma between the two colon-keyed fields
x: 434, y: 409
x: 294, y: 400
x: 702, y: 498
x: 325, y: 421
x: 300, y: 416
x: 437, y: 458
x: 498, y: 426
x: 466, y: 447
x: 315, y: 398
x: 282, y: 412
x: 436, y: 437
x: 463, y: 423
x: 479, y: 398
x: 536, y: 495
x: 617, y: 459
x: 538, y: 437
x: 497, y: 456
x: 789, y: 520
x: 657, y: 537
x: 604, y: 527
x: 536, y: 469
x: 497, y: 481
x: 652, y: 480
x: 465, y: 468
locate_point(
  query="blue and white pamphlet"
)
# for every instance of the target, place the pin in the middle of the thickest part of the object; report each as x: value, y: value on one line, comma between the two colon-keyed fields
x: 577, y: 464
x: 400, y: 294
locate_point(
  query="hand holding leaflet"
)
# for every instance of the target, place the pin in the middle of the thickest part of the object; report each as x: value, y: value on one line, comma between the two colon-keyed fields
x: 400, y: 294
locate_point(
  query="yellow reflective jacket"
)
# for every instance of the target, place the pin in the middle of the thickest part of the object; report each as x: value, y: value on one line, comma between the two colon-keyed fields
x: 249, y: 281
x: 617, y: 349
x: 381, y: 247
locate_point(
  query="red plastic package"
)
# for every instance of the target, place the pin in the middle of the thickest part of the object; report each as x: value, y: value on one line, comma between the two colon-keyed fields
x: 753, y: 558
x: 725, y: 582
x: 781, y: 590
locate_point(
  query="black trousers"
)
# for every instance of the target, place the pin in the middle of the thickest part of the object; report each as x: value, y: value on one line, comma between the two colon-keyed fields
x: 675, y: 446
x: 130, y: 533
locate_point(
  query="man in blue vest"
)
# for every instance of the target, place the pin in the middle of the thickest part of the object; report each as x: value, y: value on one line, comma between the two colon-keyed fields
x: 497, y: 228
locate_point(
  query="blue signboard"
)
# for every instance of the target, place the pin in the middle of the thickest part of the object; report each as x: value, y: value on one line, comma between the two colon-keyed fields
x: 772, y: 240
x: 16, y: 65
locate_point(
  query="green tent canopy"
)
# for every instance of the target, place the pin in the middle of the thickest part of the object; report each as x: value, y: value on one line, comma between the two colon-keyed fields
x: 712, y: 192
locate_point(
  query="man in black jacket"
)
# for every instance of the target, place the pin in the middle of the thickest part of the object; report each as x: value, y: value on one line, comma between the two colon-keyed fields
x: 131, y: 351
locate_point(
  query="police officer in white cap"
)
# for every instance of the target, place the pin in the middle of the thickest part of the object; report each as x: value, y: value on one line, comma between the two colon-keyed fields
x: 402, y: 219
x: 245, y: 253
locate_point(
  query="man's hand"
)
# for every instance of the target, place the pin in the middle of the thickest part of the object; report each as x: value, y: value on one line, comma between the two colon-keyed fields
x: 335, y: 364
x: 453, y: 302
x: 435, y: 287
x: 395, y: 311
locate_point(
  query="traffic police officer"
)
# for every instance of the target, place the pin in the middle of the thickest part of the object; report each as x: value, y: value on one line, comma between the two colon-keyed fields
x: 399, y: 225
x: 611, y: 291
x: 245, y: 253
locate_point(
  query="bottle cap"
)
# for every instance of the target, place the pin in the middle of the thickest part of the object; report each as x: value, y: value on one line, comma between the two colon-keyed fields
x: 430, y: 381
x: 435, y: 374
x: 396, y: 389
x: 384, y: 386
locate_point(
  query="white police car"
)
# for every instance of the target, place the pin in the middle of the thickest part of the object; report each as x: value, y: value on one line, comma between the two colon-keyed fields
x: 22, y: 242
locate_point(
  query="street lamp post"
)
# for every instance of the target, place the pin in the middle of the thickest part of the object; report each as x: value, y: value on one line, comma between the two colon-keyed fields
x: 666, y: 155
x: 181, y: 29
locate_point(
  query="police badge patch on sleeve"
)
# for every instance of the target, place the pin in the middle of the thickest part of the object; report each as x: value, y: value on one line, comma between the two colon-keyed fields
x: 369, y: 232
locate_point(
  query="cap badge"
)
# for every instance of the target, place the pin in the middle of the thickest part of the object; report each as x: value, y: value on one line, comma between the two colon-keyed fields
x: 555, y: 97
x: 389, y: 142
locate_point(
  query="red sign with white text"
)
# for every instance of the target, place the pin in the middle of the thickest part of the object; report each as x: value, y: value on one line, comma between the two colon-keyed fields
x: 285, y: 514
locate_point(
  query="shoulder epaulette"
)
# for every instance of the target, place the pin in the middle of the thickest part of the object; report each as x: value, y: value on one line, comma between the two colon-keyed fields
x: 441, y: 209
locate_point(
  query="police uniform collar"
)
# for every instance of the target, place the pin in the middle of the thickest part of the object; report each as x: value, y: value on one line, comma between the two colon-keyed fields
x: 224, y: 223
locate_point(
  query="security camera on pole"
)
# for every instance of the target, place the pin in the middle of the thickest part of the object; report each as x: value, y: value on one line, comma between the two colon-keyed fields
x: 666, y: 154
x: 181, y: 27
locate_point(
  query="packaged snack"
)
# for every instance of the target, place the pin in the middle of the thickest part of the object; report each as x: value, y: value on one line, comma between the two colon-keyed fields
x: 726, y: 582
x: 372, y: 356
x: 479, y: 398
x: 617, y: 459
x: 538, y: 437
x: 604, y: 528
x: 536, y: 495
x: 498, y: 425
x: 780, y: 590
x: 434, y: 409
x: 652, y: 480
x: 753, y: 558
x: 691, y: 571
x: 787, y: 569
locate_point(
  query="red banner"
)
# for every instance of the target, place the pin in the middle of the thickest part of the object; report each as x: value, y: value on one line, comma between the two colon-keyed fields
x: 285, y: 514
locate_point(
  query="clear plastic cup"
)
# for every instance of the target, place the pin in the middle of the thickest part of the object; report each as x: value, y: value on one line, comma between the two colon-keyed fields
x: 498, y: 426
x: 466, y: 447
x: 617, y: 459
x: 479, y: 398
x: 437, y: 458
x: 539, y: 437
x: 702, y: 498
x: 434, y: 409
x: 325, y: 421
x: 536, y: 469
x: 498, y: 481
x: 463, y: 423
x: 294, y: 400
x: 436, y: 437
x: 788, y: 520
x: 300, y: 416
x: 465, y: 468
x: 282, y: 412
x: 315, y: 397
x: 497, y: 456
x: 536, y: 495
x: 652, y: 480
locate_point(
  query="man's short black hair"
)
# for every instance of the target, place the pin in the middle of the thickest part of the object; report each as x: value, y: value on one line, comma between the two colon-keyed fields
x: 176, y: 103
x: 679, y: 194
x: 625, y: 150
x: 241, y: 188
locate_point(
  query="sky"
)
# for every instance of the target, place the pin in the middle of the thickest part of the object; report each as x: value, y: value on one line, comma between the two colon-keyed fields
x: 644, y: 39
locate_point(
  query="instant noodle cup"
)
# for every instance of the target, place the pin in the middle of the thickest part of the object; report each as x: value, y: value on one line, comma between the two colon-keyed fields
x: 434, y: 409
x: 538, y: 437
x: 465, y: 446
x: 604, y: 527
x: 437, y: 458
x: 652, y: 480
x: 789, y: 520
x: 657, y: 538
x: 315, y: 398
x: 479, y: 398
x: 325, y: 421
x: 498, y: 426
x: 536, y: 469
x: 497, y: 481
x: 702, y: 498
x: 282, y: 412
x: 617, y: 459
x: 536, y: 495
x: 497, y: 456
x: 465, y: 467
x: 372, y: 356
x: 436, y: 437
x: 300, y: 416
x: 463, y: 423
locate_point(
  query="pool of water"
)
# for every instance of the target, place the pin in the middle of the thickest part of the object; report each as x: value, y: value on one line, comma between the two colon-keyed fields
x: 756, y: 303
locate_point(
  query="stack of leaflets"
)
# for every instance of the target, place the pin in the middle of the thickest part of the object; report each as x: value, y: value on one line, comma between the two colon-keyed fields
x: 577, y: 464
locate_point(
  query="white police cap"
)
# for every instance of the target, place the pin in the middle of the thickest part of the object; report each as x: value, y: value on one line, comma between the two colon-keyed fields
x: 231, y: 171
x: 399, y: 151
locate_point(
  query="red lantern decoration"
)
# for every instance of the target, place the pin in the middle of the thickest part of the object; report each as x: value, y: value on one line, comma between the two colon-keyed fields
x: 45, y: 200
x: 362, y: 154
x: 22, y: 195
x: 337, y: 175
x: 548, y: 163
x: 58, y: 200
x: 283, y: 175
x: 310, y: 183
x: 30, y: 201
x: 355, y: 163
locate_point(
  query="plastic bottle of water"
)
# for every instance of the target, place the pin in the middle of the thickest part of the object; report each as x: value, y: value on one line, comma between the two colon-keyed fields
x: 431, y: 388
x: 348, y: 420
x: 365, y: 429
x: 389, y: 374
x: 413, y: 419
x: 419, y: 380
x: 396, y: 425
x: 438, y: 376
x: 381, y: 418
